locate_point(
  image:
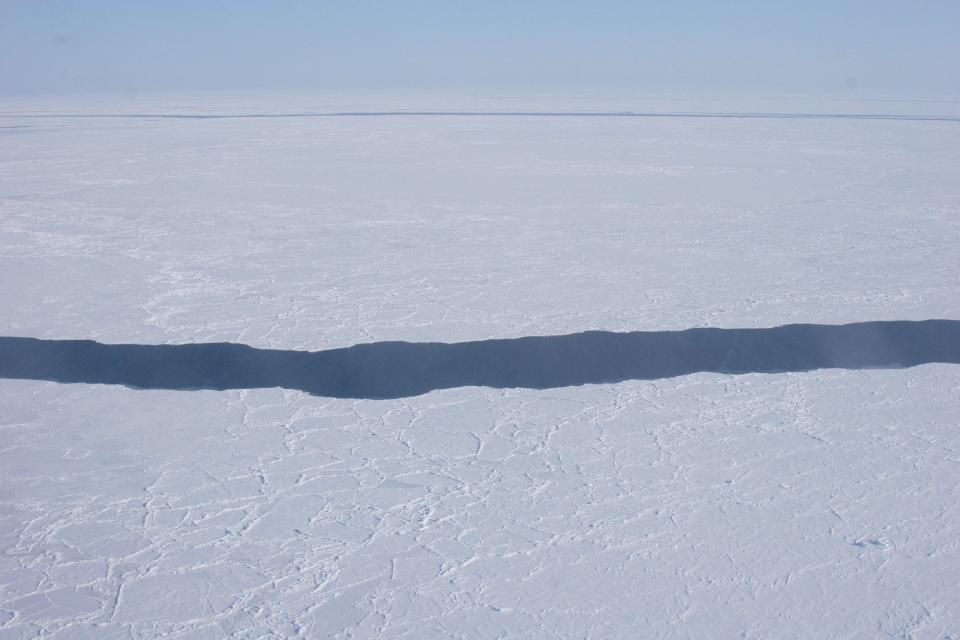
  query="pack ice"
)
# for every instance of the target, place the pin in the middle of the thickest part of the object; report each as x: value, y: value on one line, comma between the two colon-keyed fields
x: 586, y: 368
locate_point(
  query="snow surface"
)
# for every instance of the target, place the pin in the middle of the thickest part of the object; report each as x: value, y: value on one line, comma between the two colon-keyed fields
x: 800, y: 504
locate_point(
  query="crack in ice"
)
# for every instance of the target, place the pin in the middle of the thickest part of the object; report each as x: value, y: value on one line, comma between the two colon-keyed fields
x: 401, y: 369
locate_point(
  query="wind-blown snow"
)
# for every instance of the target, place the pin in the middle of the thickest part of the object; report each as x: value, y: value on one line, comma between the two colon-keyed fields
x: 711, y: 501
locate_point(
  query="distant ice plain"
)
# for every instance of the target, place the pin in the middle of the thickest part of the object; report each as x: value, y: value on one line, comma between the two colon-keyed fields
x: 795, y: 505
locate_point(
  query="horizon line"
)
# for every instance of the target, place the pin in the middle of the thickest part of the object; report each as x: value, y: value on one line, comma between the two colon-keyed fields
x: 501, y: 114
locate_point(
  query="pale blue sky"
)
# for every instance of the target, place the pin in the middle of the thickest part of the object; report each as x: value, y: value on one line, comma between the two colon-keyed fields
x: 878, y: 47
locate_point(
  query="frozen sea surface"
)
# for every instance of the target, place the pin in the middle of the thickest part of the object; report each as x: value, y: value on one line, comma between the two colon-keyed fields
x: 712, y: 504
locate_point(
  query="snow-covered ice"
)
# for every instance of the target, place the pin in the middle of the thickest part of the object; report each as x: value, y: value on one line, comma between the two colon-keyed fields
x: 800, y: 504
